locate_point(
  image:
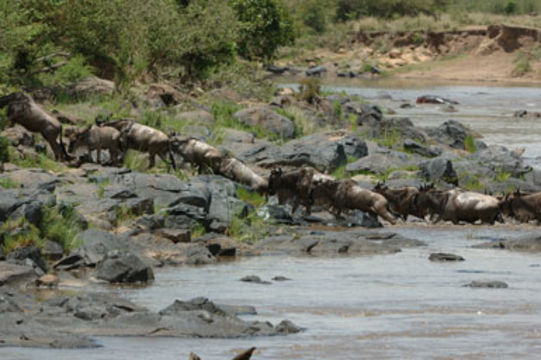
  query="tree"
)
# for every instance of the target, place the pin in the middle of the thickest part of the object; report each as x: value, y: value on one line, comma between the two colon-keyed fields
x: 264, y: 26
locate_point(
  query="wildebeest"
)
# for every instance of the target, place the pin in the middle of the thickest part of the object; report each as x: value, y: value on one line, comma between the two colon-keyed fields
x: 238, y: 171
x: 347, y: 195
x: 523, y: 207
x: 197, y: 152
x: 98, y: 138
x: 24, y: 111
x: 144, y: 138
x: 401, y: 201
x: 292, y: 186
x: 458, y: 205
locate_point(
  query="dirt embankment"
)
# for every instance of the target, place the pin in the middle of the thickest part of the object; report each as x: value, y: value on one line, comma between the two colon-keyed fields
x: 493, y: 53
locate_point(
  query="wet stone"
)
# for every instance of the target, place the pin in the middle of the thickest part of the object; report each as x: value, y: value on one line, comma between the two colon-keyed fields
x: 442, y: 257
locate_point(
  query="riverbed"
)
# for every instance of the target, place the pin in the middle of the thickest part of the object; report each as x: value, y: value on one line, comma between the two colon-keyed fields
x: 377, y: 307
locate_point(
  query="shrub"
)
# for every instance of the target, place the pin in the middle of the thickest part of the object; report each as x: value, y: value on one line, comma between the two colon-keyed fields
x: 4, y: 150
x: 61, y: 224
x: 19, y: 233
x: 313, y: 15
x: 264, y: 25
x: 310, y: 89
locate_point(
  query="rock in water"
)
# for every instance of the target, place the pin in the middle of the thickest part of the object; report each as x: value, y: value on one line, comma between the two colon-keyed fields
x: 445, y: 257
x: 124, y: 267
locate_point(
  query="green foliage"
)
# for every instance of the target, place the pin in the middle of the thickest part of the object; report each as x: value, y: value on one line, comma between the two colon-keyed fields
x: 61, y: 224
x: 123, y: 214
x: 304, y: 123
x: 4, y: 150
x: 75, y: 69
x: 313, y: 15
x: 19, y: 233
x: 469, y: 144
x: 250, y: 197
x: 249, y: 229
x: 340, y: 172
x: 264, y: 25
x: 8, y: 183
x: 353, y: 9
x: 136, y: 161
x: 388, y: 138
x: 197, y: 230
x: 310, y: 89
x: 38, y: 161
x: 523, y: 61
x: 470, y: 181
x: 502, y: 175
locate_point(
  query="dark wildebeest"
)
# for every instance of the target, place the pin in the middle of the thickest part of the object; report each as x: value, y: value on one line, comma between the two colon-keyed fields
x: 347, y: 195
x: 401, y: 201
x: 197, y: 152
x: 459, y: 205
x: 523, y: 207
x: 98, y: 138
x: 24, y: 111
x: 236, y: 170
x: 292, y: 186
x: 144, y: 138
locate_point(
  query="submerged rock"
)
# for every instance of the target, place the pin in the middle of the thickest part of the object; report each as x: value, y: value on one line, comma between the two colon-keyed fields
x: 488, y: 284
x: 255, y: 279
x: 124, y: 267
x: 442, y: 257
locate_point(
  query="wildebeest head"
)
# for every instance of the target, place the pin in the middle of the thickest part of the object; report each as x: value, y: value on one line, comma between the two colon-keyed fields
x: 274, y: 180
x: 78, y: 138
x: 177, y: 142
x: 430, y: 200
x: 14, y: 97
x: 380, y: 187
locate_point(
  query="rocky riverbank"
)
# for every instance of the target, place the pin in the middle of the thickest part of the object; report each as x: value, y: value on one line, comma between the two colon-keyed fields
x: 122, y: 223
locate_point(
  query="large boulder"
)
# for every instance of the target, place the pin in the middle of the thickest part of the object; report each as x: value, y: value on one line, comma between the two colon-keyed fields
x: 452, y: 133
x: 96, y: 244
x: 323, y: 151
x: 91, y: 85
x: 438, y: 169
x: 379, y: 163
x: 264, y: 117
x: 367, y: 114
x: 500, y: 159
x: 18, y: 135
x: 124, y: 267
x: 161, y: 94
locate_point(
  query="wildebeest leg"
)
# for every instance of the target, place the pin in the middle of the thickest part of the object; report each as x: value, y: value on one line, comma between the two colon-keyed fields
x: 151, y: 160
x: 382, y: 211
x: 98, y: 158
x: 172, y: 158
x: 57, y: 150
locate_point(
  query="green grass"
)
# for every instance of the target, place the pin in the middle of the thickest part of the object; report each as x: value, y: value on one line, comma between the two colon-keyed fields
x: 19, y: 233
x: 250, y: 197
x: 8, y: 183
x: 197, y: 230
x: 502, y: 175
x: 248, y: 230
x: 40, y: 161
x: 469, y: 144
x: 304, y: 123
x: 470, y: 181
x: 61, y: 224
x: 223, y: 112
x: 136, y: 161
x: 123, y: 214
x: 388, y: 138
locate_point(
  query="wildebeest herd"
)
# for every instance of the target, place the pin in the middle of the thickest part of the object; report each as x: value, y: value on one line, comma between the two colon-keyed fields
x: 304, y: 186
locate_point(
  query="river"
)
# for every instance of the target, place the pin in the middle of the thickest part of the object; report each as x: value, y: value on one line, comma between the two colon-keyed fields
x: 399, y: 306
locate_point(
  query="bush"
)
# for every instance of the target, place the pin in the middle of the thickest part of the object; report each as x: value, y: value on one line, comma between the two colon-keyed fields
x: 264, y: 25
x: 313, y: 16
x: 353, y: 9
x: 4, y: 150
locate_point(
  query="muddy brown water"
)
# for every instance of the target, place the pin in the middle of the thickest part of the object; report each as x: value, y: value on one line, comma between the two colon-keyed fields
x: 399, y: 306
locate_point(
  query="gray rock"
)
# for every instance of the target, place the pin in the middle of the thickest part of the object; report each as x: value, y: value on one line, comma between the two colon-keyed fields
x: 176, y: 235
x: 439, y: 169
x: 19, y: 255
x: 124, y: 267
x: 12, y: 273
x: 443, y: 257
x: 316, y: 71
x: 451, y: 133
x: 199, y: 303
x: 96, y: 244
x: 488, y: 284
x: 91, y: 86
x: 255, y: 279
x: 287, y: 327
x: 367, y: 114
x: 499, y: 158
x: 529, y: 243
x: 280, y: 278
x: 323, y: 151
x: 426, y: 151
x: 267, y: 119
x: 379, y: 163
